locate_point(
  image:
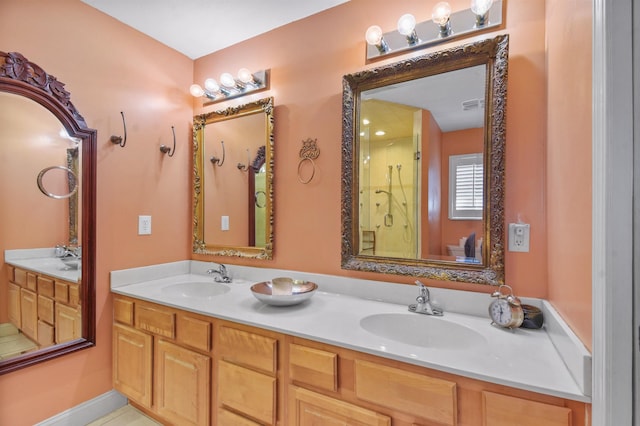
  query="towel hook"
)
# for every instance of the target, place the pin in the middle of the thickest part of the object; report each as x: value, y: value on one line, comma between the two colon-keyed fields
x: 245, y: 167
x: 215, y: 160
x: 118, y: 139
x: 165, y: 149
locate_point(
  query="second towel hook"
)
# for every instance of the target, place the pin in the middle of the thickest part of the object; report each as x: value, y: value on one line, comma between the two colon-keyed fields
x: 245, y: 167
x: 165, y: 149
x: 215, y: 160
x: 118, y: 139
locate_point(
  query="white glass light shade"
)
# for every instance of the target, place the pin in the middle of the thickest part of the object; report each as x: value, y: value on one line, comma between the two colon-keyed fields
x: 406, y: 24
x: 480, y: 7
x: 245, y: 76
x: 211, y: 85
x: 227, y: 80
x: 196, y: 90
x: 374, y: 35
x: 441, y: 13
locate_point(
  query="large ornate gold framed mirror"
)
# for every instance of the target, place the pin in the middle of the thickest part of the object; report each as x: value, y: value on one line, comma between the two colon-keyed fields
x: 233, y: 181
x: 47, y: 236
x: 423, y: 165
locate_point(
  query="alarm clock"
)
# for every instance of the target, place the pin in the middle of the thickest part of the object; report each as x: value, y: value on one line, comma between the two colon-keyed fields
x: 506, y: 310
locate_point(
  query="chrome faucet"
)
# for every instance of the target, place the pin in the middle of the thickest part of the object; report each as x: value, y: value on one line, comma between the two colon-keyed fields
x: 64, y: 251
x: 222, y: 274
x: 424, y: 305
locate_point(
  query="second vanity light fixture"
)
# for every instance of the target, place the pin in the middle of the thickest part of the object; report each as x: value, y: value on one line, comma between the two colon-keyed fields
x: 231, y: 87
x: 443, y: 25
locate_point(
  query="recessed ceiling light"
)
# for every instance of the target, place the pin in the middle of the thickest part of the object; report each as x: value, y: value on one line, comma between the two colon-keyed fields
x: 380, y: 133
x: 365, y: 122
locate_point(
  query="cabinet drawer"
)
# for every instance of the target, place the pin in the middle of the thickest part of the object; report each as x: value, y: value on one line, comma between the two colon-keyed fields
x: 45, y: 334
x: 20, y: 277
x: 10, y: 275
x: 45, y: 309
x: 32, y: 281
x: 247, y: 391
x: 155, y: 320
x: 123, y: 310
x: 430, y: 398
x: 314, y: 367
x: 61, y: 292
x: 249, y: 349
x: 228, y: 418
x: 502, y: 410
x: 45, y: 286
x: 193, y: 332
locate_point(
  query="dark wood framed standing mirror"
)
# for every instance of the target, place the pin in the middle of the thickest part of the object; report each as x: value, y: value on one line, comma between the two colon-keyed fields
x: 423, y: 156
x: 233, y: 181
x: 51, y: 300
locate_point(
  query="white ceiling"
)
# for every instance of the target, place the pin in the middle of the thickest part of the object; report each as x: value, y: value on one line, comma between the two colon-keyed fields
x: 200, y: 27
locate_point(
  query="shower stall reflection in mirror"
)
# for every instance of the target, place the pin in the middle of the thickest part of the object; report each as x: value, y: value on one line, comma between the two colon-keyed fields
x: 389, y: 189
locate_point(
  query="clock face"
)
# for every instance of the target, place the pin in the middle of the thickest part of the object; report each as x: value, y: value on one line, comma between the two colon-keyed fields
x: 500, y: 312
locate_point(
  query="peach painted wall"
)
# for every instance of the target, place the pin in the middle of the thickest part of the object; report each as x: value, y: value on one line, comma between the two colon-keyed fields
x: 569, y: 173
x: 108, y: 68
x: 308, y: 59
x: 458, y: 142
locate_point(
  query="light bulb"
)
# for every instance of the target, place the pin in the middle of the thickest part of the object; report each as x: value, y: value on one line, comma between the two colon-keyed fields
x: 227, y: 80
x: 196, y: 90
x: 245, y: 76
x: 480, y: 7
x: 211, y: 85
x: 406, y: 24
x: 374, y: 35
x: 441, y: 13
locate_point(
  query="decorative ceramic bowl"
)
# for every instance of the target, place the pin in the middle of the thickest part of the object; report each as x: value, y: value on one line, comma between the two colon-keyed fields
x: 283, y: 291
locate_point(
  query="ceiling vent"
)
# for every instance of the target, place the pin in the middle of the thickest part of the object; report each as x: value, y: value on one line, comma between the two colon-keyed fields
x: 472, y: 104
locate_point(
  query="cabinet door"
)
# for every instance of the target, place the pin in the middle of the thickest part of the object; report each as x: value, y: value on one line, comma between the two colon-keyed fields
x: 29, y: 313
x: 132, y: 363
x: 182, y: 384
x: 14, y: 305
x: 68, y: 324
x: 503, y: 410
x: 310, y: 408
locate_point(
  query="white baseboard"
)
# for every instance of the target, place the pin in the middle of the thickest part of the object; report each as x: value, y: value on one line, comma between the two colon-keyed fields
x: 88, y: 411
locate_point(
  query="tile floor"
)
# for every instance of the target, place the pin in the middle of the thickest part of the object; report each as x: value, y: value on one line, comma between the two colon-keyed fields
x: 125, y: 416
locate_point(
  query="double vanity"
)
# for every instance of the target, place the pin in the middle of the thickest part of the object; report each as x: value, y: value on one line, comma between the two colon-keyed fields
x: 189, y: 350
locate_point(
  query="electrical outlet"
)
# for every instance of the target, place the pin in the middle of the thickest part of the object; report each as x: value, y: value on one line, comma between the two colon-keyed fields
x: 144, y: 225
x: 519, y: 237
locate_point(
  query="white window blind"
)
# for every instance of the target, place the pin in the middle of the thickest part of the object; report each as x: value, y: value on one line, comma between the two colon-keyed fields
x: 466, y: 179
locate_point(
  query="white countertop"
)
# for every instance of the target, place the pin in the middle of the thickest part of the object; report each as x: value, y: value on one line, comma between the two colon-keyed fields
x: 520, y: 358
x: 42, y: 261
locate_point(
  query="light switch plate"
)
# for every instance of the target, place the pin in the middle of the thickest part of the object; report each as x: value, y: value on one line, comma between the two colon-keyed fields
x: 144, y: 225
x: 519, y: 237
x: 224, y: 223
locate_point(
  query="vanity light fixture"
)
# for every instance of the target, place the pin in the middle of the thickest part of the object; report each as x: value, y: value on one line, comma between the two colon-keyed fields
x: 440, y: 16
x: 407, y: 27
x: 231, y: 87
x: 443, y: 25
x: 375, y: 38
x: 481, y: 9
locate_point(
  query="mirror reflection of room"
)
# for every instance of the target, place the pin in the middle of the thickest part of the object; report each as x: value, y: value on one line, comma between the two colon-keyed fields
x: 421, y: 167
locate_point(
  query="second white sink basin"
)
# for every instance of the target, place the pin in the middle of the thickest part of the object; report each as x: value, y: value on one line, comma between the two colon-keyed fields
x: 422, y: 330
x: 196, y: 289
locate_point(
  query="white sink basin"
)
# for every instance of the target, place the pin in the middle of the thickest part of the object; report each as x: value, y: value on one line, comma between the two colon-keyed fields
x: 196, y: 289
x: 422, y: 330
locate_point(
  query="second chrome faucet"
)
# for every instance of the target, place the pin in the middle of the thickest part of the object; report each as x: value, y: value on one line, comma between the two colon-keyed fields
x: 424, y: 305
x: 221, y: 274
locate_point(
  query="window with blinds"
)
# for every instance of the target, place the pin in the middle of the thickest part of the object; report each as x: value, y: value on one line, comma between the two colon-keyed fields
x: 466, y: 187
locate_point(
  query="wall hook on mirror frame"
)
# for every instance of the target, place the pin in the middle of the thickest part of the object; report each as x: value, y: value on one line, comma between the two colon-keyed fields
x: 308, y: 152
x: 219, y: 161
x: 119, y: 139
x: 245, y: 167
x: 165, y: 149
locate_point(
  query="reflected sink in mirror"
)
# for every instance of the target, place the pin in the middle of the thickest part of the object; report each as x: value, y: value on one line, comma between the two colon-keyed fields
x: 422, y: 330
x: 71, y: 262
x: 196, y: 289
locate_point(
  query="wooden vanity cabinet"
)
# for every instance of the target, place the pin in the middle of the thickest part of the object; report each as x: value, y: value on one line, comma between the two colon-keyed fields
x: 162, y: 361
x: 185, y: 368
x: 328, y: 384
x: 42, y: 308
